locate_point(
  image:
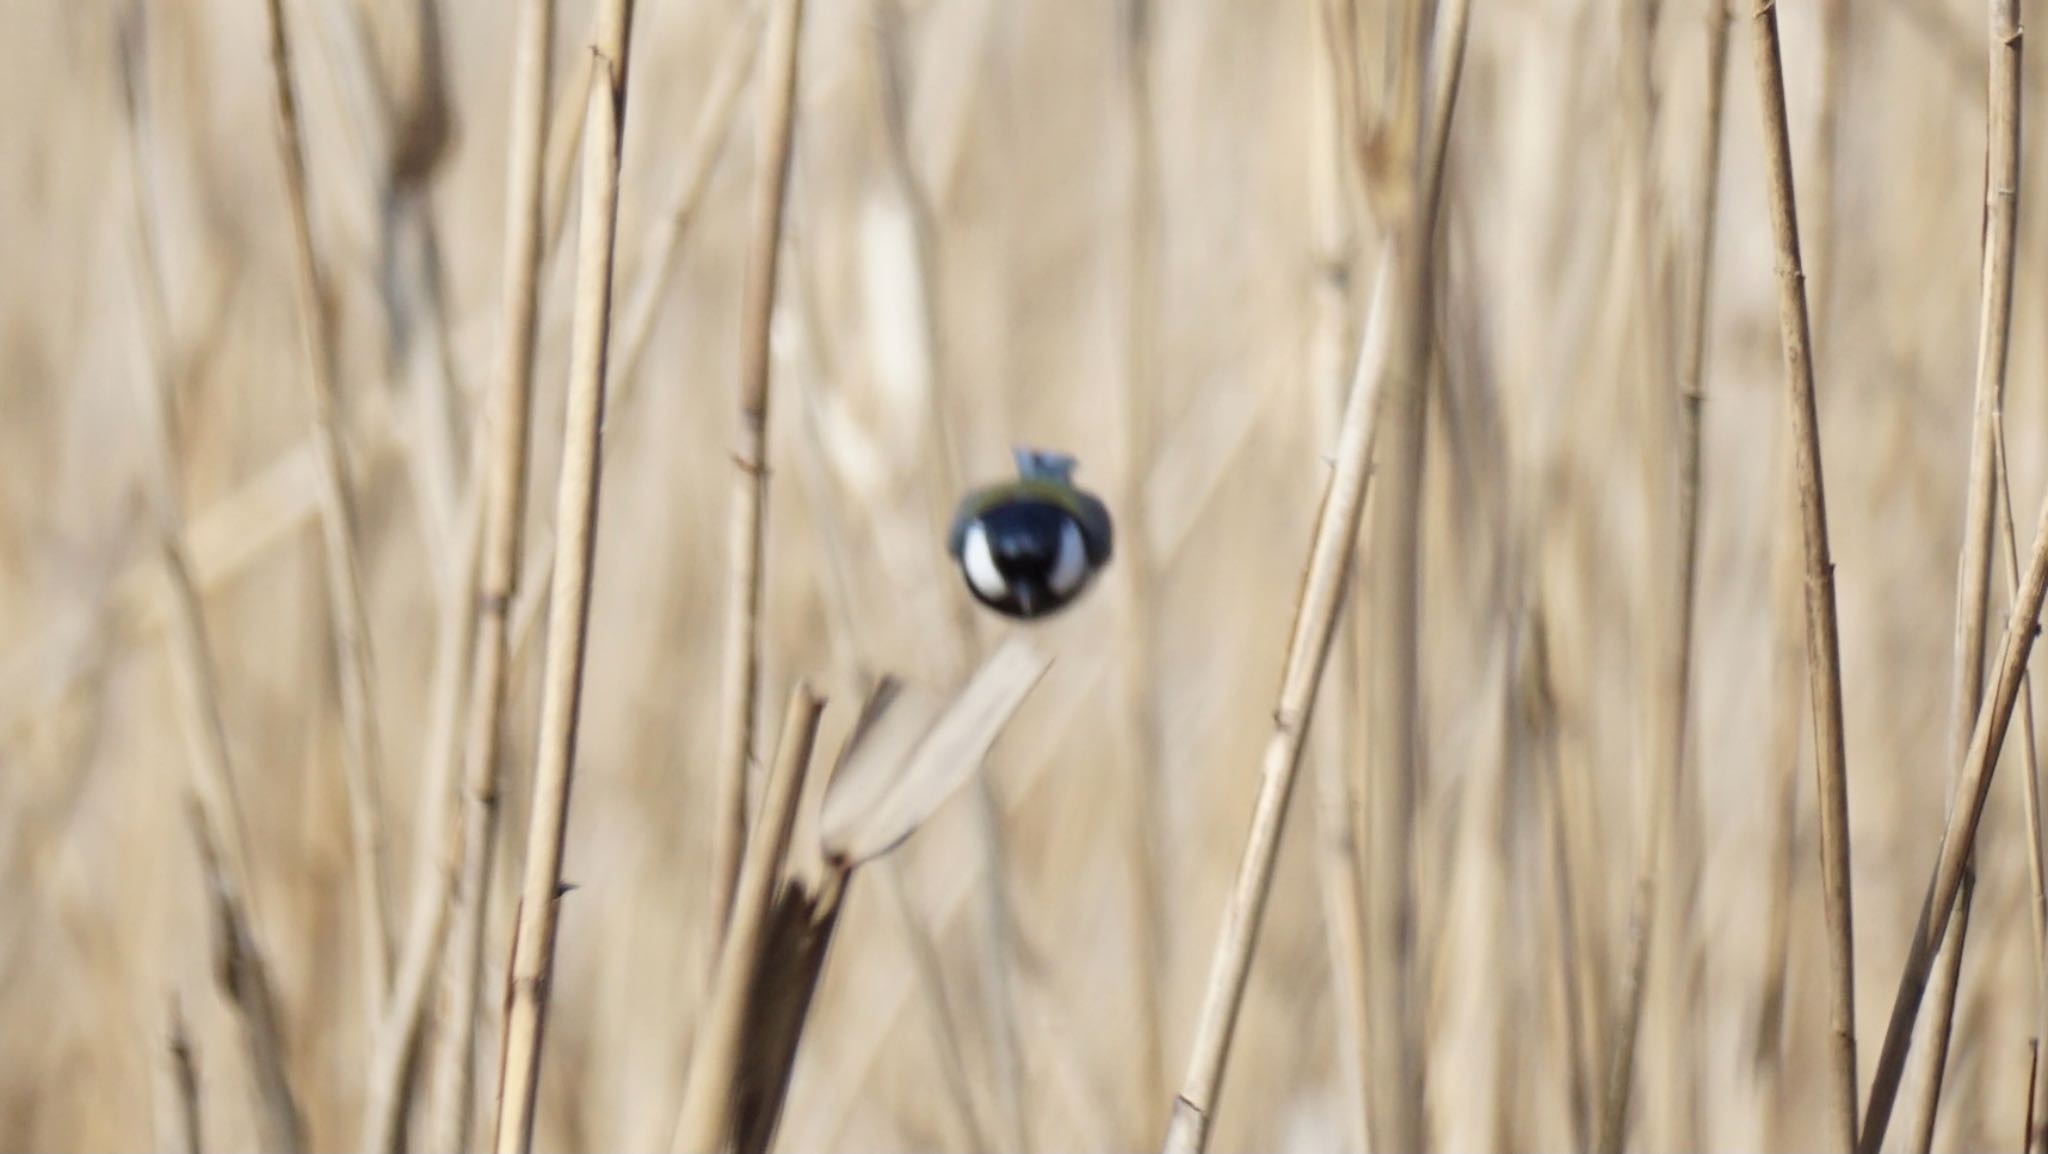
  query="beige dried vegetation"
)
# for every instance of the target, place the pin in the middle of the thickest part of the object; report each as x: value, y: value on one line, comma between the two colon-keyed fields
x: 1463, y: 377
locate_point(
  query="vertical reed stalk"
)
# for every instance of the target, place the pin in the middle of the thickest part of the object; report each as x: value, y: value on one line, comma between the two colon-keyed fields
x: 1788, y: 652
x: 1414, y: 134
x: 708, y: 134
x: 348, y: 614
x: 394, y: 1051
x: 219, y: 827
x: 533, y: 946
x: 471, y: 837
x: 1668, y: 872
x: 1823, y: 644
x: 1333, y: 118
x: 2037, y: 848
x: 1563, y: 831
x: 741, y: 665
x: 1973, y: 574
x: 1139, y: 720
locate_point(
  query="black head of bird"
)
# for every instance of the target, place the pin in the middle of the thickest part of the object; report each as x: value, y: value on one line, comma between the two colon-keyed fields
x: 1028, y: 547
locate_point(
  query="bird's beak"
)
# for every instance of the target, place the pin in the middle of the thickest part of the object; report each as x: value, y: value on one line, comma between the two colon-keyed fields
x: 1027, y: 599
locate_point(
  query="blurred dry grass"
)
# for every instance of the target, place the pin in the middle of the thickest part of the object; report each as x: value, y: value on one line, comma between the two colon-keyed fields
x: 1541, y: 516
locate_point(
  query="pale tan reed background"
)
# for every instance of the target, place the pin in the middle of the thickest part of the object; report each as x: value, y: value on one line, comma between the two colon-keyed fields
x: 1542, y: 441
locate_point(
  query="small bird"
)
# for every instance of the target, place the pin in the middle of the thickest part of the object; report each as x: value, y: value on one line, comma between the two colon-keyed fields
x: 1028, y: 547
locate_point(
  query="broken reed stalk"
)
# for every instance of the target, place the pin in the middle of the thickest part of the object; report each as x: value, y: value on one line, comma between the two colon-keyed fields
x: 348, y: 614
x: 740, y: 668
x: 1973, y: 573
x: 1139, y: 721
x: 218, y: 824
x: 472, y: 835
x: 1333, y: 119
x: 2037, y: 849
x: 904, y: 759
x: 705, y: 1122
x: 1959, y: 836
x: 1666, y: 867
x: 1823, y: 645
x: 533, y: 945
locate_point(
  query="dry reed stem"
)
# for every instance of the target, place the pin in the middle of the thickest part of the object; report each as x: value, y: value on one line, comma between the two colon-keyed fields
x: 1973, y: 574
x: 470, y: 840
x: 1947, y: 982
x: 1820, y: 189
x: 740, y: 668
x: 1309, y: 651
x: 713, y: 127
x: 708, y: 135
x: 1667, y: 855
x: 958, y: 888
x: 1379, y: 364
x: 1958, y: 837
x: 2037, y: 847
x: 1138, y: 723
x: 1334, y: 116
x: 814, y: 365
x: 908, y: 754
x: 1316, y: 615
x: 1412, y: 153
x: 395, y: 1052
x: 1788, y: 721
x: 1540, y: 707
x: 218, y: 824
x: 348, y: 615
x: 243, y: 977
x: 533, y: 946
x: 1661, y: 770
x: 564, y: 139
x: 1823, y: 644
x: 705, y: 1122
x: 179, y: 1130
x: 917, y: 749
x: 1788, y: 651
x: 2033, y: 1076
x: 385, y: 56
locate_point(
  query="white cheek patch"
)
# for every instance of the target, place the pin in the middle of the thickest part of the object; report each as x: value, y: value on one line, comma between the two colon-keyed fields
x: 1071, y: 567
x: 981, y: 565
